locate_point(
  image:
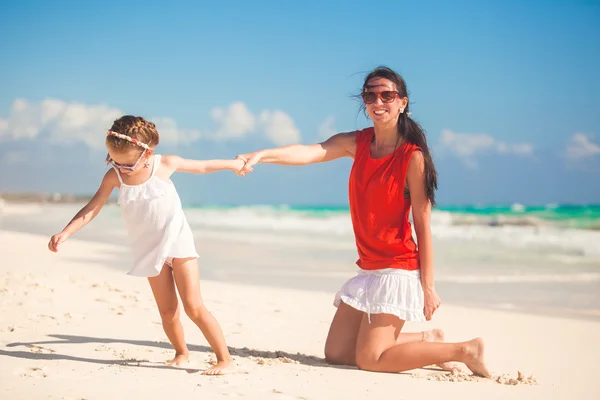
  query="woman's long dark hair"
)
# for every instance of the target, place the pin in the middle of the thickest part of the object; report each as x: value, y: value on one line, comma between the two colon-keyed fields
x: 408, y: 129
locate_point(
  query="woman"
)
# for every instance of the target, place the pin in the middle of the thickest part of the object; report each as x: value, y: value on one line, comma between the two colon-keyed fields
x: 392, y: 172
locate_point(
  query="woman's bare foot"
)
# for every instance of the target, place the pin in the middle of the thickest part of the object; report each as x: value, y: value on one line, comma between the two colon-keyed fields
x: 220, y: 368
x: 179, y: 359
x: 474, y: 360
x: 437, y: 335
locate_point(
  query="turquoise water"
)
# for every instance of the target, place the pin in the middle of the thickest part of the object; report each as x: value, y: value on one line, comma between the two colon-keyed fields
x: 561, y: 216
x: 567, y: 216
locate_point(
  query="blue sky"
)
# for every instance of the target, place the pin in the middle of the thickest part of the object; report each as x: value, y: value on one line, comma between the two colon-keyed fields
x: 507, y: 91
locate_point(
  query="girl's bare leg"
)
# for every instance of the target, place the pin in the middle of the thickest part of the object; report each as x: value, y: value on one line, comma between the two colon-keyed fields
x: 187, y: 279
x: 163, y: 289
x: 377, y: 349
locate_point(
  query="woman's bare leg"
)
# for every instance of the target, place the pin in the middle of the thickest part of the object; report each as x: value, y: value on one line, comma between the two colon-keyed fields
x: 377, y: 350
x: 163, y: 289
x: 187, y: 279
x: 340, y: 346
x: 434, y: 335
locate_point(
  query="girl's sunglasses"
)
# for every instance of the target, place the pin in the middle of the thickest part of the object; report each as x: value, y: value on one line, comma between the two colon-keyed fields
x: 125, y: 167
x: 386, y: 96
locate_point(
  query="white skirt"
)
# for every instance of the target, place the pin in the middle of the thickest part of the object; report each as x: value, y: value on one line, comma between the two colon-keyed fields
x: 385, y: 291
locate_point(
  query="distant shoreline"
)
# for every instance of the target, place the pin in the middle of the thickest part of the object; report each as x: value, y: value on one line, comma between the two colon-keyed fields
x: 67, y: 198
x: 45, y: 198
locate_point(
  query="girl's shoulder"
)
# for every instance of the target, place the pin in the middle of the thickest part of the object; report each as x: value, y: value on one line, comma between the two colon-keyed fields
x: 111, y: 178
x: 170, y: 161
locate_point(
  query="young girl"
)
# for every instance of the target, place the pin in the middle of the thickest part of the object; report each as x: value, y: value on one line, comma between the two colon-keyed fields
x: 161, y: 239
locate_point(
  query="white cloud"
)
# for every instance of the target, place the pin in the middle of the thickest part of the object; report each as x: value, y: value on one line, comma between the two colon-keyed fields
x: 581, y: 146
x: 23, y: 122
x: 235, y: 122
x: 326, y: 129
x: 70, y: 122
x: 466, y: 146
x: 60, y: 121
x: 279, y: 127
x: 3, y: 126
x: 171, y: 134
x: 76, y: 122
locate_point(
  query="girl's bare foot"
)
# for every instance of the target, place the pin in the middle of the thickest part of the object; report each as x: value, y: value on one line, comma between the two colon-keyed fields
x: 179, y: 359
x: 474, y: 360
x: 437, y: 335
x: 220, y: 368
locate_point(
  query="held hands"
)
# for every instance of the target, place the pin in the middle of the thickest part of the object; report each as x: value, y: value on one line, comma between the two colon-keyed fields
x: 57, y: 240
x: 432, y: 302
x: 249, y: 160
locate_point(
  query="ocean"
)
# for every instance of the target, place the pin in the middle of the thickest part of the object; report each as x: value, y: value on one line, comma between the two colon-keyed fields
x: 560, y: 230
x: 540, y: 259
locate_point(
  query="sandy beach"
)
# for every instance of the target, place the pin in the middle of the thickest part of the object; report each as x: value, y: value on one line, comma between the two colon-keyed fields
x: 74, y: 326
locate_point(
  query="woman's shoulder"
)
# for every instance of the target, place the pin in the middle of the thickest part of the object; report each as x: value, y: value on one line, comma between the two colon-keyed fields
x: 362, y: 136
x: 413, y: 151
x: 416, y: 161
x: 365, y: 133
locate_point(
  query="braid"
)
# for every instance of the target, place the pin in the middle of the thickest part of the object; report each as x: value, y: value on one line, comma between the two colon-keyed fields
x: 136, y: 128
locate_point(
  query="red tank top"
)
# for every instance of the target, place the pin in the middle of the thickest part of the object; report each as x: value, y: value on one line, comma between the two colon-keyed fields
x: 379, y: 209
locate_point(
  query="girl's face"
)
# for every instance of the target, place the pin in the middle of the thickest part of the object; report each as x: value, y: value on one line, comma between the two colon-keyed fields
x: 130, y: 162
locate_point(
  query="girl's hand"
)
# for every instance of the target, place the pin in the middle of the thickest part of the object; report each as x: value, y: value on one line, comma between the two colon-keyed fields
x: 56, y: 240
x: 238, y: 164
x: 432, y: 302
x: 249, y: 160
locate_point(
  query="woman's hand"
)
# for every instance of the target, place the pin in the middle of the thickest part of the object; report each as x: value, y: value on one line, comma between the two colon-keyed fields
x: 250, y: 159
x: 432, y: 302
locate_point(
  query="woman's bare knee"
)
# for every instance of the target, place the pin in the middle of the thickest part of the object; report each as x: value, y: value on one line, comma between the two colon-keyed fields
x: 336, y: 355
x: 341, y: 339
x: 375, y: 337
x: 367, y: 361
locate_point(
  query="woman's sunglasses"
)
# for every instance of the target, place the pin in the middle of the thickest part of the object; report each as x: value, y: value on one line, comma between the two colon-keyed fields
x: 386, y: 96
x: 125, y: 167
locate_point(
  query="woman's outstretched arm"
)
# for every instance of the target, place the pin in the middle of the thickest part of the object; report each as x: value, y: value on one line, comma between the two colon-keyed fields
x: 337, y: 146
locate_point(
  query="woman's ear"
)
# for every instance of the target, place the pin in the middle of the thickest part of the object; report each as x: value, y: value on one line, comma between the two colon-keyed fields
x: 404, y: 102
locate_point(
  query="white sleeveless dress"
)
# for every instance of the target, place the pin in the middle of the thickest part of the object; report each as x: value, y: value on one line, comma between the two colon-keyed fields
x: 156, y: 225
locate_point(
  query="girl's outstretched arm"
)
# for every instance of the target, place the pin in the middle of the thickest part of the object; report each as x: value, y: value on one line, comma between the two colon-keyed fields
x: 337, y: 146
x: 89, y: 211
x: 179, y: 164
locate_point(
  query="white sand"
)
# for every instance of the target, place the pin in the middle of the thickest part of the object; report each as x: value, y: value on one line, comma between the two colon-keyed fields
x: 72, y: 328
x: 18, y: 209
